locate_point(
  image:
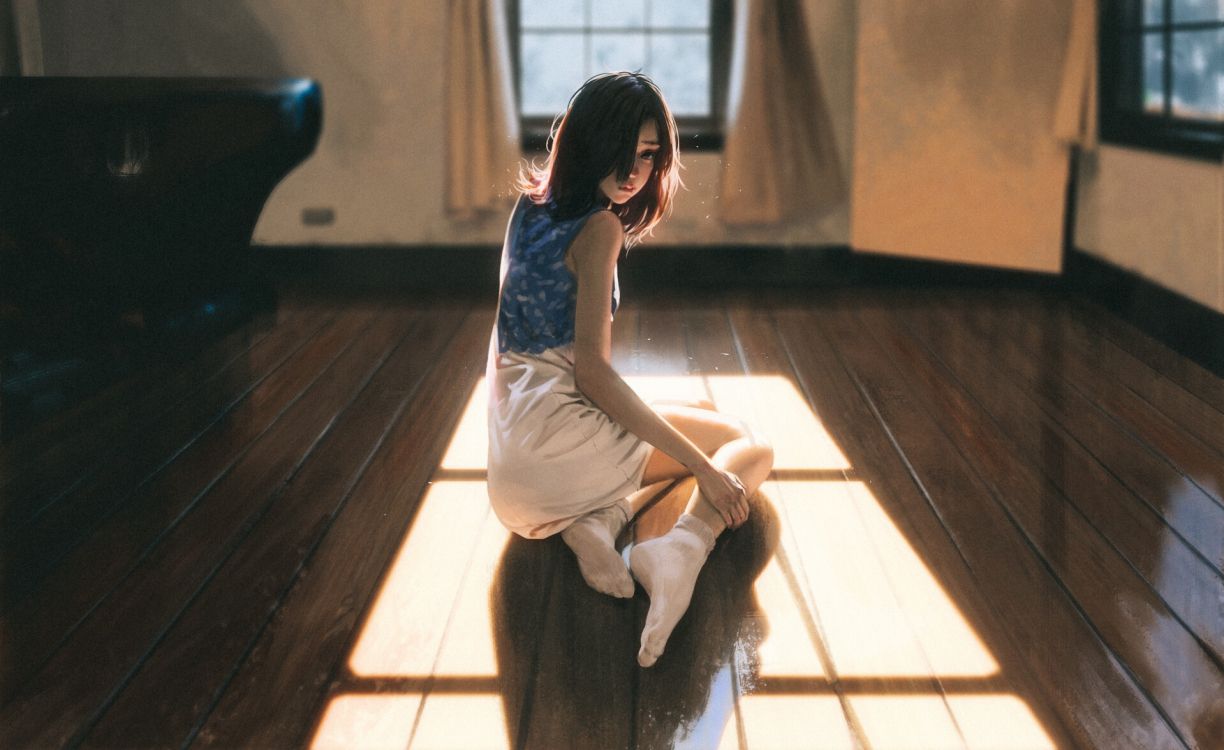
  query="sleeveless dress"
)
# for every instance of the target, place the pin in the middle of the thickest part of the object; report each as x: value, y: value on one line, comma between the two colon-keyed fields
x: 553, y: 455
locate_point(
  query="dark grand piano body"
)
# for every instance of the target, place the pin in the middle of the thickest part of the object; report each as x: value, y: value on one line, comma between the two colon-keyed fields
x: 132, y: 201
x: 140, y: 191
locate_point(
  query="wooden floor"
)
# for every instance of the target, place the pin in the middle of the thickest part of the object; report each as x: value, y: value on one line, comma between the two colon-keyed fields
x: 996, y: 521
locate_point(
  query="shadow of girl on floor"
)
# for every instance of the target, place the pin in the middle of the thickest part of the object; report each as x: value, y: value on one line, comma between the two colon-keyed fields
x: 566, y: 654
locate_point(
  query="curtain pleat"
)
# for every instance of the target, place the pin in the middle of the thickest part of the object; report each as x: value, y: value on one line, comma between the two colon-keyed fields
x: 1075, y: 115
x: 481, y: 122
x: 779, y: 157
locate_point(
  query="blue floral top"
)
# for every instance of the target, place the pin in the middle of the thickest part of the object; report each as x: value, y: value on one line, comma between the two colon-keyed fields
x: 539, y: 293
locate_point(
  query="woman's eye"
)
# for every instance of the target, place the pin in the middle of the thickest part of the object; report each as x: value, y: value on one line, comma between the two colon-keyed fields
x: 650, y: 155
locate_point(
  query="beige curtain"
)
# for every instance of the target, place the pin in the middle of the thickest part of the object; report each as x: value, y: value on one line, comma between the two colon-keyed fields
x: 27, y: 33
x: 779, y: 157
x: 1075, y: 117
x: 955, y: 152
x: 482, y: 148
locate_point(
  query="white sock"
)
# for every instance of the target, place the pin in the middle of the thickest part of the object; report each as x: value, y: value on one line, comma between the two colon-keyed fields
x: 593, y: 540
x: 667, y: 568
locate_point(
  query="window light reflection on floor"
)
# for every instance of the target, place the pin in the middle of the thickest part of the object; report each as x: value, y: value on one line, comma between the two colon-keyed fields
x: 844, y: 583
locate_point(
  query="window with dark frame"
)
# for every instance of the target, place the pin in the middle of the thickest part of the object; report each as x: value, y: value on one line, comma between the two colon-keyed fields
x: 683, y: 45
x: 1162, y: 75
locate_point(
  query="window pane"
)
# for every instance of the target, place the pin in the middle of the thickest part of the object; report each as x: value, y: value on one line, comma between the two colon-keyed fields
x: 613, y: 52
x: 551, y: 70
x: 680, y: 64
x: 1198, y: 74
x: 620, y: 14
x: 685, y: 14
x: 1153, y: 73
x: 551, y: 13
x: 1197, y: 10
x: 1153, y: 11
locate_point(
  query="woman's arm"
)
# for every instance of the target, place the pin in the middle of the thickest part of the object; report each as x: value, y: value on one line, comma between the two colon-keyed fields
x: 595, y: 251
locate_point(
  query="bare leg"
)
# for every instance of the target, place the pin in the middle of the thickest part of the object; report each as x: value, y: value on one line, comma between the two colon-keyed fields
x: 667, y: 566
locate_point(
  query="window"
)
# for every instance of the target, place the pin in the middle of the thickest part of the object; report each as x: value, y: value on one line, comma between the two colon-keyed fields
x: 682, y: 44
x: 1162, y: 75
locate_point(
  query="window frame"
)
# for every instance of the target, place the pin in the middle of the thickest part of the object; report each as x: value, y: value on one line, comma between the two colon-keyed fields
x: 1164, y: 132
x: 696, y: 133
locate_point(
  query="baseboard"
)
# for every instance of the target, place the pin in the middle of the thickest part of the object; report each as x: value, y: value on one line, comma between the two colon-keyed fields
x: 1188, y: 327
x: 473, y: 269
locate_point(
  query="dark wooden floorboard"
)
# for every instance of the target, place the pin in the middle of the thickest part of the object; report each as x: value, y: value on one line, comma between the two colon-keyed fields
x: 213, y: 551
x: 118, y: 634
x: 1081, y: 453
x: 1173, y: 425
x: 1034, y: 603
x: 41, y: 482
x: 1140, y: 389
x: 66, y: 580
x: 194, y: 446
x: 1102, y: 415
x: 168, y: 376
x: 1129, y: 343
x: 1144, y: 635
x: 273, y: 696
x: 166, y: 698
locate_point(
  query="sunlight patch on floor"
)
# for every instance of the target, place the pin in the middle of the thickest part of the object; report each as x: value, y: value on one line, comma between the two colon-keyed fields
x: 788, y: 650
x: 999, y: 722
x: 845, y: 592
x: 409, y: 615
x: 882, y: 612
x: 461, y: 722
x: 772, y: 404
x: 791, y: 722
x: 367, y: 721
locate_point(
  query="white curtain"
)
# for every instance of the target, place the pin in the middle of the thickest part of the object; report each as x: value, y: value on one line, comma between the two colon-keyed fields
x: 481, y: 121
x: 27, y: 33
x: 779, y: 156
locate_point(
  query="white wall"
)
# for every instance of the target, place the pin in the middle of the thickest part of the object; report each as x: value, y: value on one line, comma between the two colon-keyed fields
x: 380, y: 159
x: 379, y: 164
x: 1156, y: 215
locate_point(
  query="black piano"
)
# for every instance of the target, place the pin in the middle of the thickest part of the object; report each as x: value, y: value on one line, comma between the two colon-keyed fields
x: 127, y: 207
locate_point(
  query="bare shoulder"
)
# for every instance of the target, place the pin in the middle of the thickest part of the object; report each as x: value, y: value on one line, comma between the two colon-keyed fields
x: 601, y: 237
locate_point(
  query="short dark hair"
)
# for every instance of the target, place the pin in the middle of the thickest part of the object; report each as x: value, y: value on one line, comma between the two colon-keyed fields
x: 598, y: 135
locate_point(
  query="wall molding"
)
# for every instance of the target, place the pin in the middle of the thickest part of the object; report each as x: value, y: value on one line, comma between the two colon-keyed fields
x: 474, y: 268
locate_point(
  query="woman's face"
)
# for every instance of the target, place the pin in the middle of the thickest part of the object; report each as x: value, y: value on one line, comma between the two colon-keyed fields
x: 643, y: 164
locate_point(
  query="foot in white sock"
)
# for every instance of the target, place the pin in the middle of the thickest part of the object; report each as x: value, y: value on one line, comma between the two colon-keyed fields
x: 667, y: 568
x: 592, y: 538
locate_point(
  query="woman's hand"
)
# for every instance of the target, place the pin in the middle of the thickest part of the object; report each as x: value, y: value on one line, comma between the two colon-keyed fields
x: 725, y: 492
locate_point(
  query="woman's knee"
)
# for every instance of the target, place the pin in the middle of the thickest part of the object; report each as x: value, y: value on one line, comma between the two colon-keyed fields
x: 756, y: 438
x: 763, y: 453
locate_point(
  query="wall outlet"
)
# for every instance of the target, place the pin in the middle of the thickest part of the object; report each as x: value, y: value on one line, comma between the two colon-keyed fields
x: 318, y: 216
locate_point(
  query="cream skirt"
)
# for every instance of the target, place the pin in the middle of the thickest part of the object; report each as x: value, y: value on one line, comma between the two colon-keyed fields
x: 553, y: 455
